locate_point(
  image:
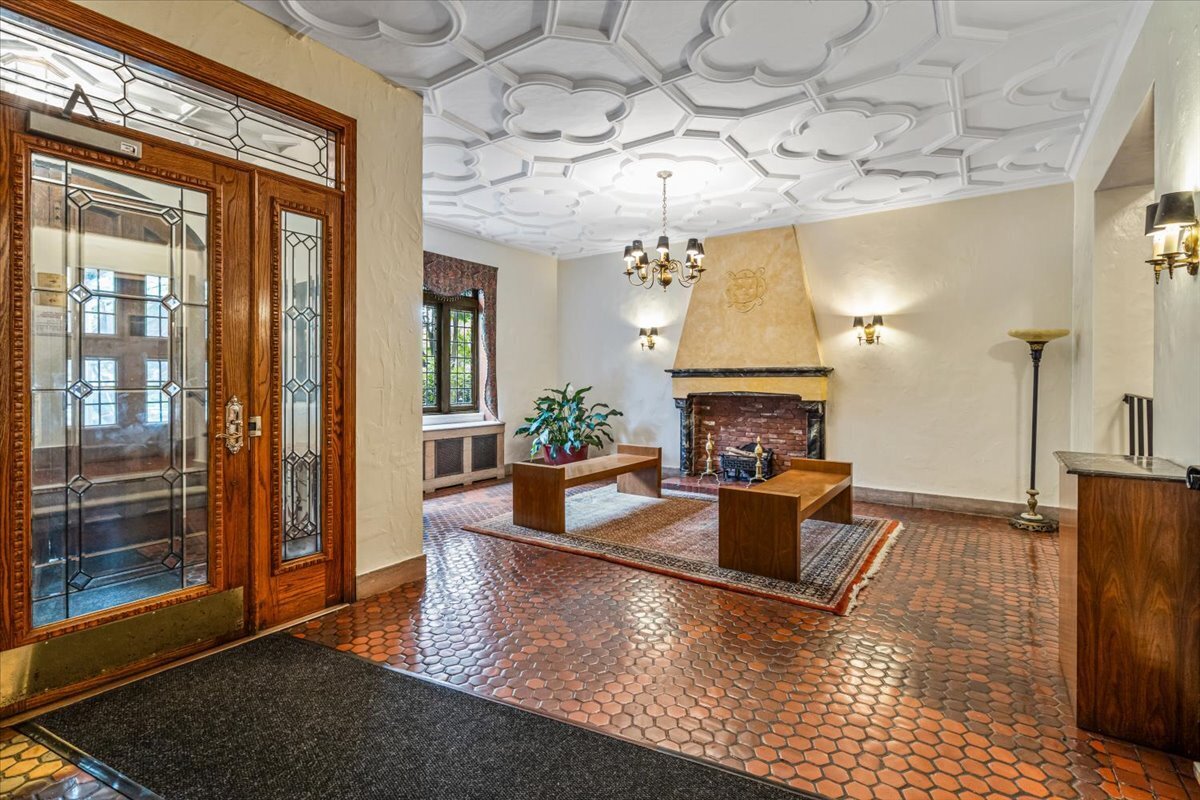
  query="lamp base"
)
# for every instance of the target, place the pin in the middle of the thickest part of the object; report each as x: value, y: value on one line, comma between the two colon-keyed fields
x: 1036, y: 523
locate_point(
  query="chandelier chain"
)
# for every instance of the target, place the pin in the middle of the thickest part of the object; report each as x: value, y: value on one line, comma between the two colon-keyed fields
x: 664, y: 227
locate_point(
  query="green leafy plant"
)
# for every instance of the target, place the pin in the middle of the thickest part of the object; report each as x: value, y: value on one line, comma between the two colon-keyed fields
x: 563, y: 420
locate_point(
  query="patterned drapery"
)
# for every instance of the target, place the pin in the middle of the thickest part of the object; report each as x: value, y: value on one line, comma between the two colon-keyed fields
x: 453, y: 276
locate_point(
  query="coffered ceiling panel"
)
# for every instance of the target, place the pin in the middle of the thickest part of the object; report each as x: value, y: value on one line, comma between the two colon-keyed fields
x: 546, y: 120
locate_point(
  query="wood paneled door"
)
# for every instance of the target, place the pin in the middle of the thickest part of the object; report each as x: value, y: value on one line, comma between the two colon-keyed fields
x: 297, y: 506
x: 176, y: 323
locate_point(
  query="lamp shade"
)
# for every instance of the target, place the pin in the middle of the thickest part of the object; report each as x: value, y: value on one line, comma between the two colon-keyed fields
x: 637, y: 249
x: 692, y: 246
x: 857, y: 322
x: 877, y: 320
x: 1175, y: 208
x: 663, y: 244
x: 1151, y: 213
x: 654, y: 331
x: 644, y: 331
x: 628, y: 256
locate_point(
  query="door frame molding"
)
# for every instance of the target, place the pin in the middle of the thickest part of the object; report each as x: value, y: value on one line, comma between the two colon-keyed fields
x: 92, y: 25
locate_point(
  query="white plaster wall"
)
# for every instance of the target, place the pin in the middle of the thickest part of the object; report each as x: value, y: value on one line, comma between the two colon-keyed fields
x: 600, y: 314
x: 1123, y: 309
x: 942, y: 406
x: 1165, y: 58
x: 388, y: 441
x: 526, y: 323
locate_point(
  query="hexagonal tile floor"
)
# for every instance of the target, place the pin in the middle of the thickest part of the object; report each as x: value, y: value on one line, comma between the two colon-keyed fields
x: 944, y: 683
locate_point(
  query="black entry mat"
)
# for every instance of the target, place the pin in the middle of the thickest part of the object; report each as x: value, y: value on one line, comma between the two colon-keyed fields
x: 283, y: 718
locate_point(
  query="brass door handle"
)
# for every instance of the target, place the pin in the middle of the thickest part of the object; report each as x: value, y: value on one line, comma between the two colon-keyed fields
x: 233, y: 425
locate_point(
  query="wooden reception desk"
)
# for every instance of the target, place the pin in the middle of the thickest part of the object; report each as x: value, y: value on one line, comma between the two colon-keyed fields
x: 1129, y: 626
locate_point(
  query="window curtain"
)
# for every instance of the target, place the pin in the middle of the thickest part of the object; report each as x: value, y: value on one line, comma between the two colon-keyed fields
x: 453, y: 277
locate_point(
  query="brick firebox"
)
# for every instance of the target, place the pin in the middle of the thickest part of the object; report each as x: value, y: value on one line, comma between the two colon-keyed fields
x: 789, y: 425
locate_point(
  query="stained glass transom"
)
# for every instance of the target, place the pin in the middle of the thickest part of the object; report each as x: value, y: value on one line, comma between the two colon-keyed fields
x: 44, y: 64
x: 302, y: 292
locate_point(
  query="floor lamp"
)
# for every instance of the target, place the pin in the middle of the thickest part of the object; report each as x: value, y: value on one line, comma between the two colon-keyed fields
x: 1036, y: 338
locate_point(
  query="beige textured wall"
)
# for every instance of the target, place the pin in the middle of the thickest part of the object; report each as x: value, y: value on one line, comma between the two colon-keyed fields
x: 942, y: 405
x: 389, y: 239
x: 1123, y: 314
x: 526, y: 323
x: 1166, y: 59
x: 779, y: 331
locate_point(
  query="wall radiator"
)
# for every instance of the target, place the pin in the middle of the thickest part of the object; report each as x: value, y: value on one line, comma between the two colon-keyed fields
x: 1141, y: 424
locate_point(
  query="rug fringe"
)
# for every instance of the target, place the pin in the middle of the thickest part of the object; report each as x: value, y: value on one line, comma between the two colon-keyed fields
x: 877, y: 560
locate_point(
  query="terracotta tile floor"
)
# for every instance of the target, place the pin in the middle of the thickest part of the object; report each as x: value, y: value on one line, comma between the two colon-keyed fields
x: 942, y: 684
x: 29, y: 771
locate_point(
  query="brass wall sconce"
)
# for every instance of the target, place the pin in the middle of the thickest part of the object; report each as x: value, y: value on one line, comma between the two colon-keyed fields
x: 872, y: 332
x: 648, y: 335
x: 1171, y: 222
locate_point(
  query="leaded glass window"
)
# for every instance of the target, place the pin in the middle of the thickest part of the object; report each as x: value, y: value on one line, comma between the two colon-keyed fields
x: 462, y: 357
x: 43, y: 63
x: 302, y: 256
x: 100, y: 313
x: 450, y: 353
x: 100, y: 404
x: 429, y: 356
x: 158, y: 403
x: 119, y: 449
x: 155, y: 320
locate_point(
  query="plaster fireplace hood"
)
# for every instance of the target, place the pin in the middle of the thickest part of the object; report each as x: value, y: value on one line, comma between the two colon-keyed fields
x: 750, y: 325
x: 749, y: 358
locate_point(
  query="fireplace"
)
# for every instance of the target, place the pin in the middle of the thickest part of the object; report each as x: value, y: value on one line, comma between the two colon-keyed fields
x: 789, y: 425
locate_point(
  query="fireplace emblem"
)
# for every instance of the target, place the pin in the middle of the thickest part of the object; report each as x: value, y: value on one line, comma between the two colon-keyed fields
x: 745, y: 289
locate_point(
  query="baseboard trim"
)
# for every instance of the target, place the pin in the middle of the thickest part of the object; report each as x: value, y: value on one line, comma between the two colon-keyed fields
x: 389, y: 577
x: 944, y: 502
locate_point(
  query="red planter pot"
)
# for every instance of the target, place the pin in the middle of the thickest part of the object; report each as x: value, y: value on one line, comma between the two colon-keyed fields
x: 563, y: 456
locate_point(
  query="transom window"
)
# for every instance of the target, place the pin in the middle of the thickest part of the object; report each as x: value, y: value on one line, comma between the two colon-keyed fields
x: 450, y: 353
x: 43, y: 63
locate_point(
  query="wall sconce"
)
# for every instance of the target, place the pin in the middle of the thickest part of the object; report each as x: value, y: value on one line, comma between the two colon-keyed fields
x: 872, y: 332
x: 1171, y: 222
x: 648, y: 335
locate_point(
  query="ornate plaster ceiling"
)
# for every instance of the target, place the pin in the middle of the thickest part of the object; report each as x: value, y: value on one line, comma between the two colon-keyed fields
x: 546, y: 120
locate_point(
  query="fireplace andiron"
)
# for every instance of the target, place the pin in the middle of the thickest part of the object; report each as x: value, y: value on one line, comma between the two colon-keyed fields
x: 708, y: 464
x: 758, y: 463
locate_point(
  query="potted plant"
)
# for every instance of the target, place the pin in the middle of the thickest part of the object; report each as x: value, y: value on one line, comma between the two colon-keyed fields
x: 563, y: 426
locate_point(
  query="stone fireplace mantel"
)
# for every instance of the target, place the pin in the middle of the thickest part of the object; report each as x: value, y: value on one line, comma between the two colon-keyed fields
x: 751, y: 372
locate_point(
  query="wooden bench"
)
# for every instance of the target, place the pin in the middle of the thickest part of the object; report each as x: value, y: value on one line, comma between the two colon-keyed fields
x: 760, y: 524
x: 540, y: 490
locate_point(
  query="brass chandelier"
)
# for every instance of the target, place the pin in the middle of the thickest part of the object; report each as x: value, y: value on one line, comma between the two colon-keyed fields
x: 664, y: 270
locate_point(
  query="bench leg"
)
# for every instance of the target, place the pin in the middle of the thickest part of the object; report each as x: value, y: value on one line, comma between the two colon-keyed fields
x: 646, y: 482
x: 759, y: 534
x: 839, y: 509
x: 539, y: 499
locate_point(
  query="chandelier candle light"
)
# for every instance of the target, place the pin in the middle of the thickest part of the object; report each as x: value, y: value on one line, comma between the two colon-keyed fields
x: 1036, y: 338
x: 664, y: 270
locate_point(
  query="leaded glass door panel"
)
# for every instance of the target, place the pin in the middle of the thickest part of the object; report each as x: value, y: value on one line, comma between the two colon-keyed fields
x: 297, y: 559
x: 120, y: 496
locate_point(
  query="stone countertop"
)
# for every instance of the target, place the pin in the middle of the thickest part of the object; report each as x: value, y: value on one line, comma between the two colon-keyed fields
x: 1115, y: 466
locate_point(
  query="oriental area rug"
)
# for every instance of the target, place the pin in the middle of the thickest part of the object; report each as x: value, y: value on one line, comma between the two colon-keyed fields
x: 677, y: 536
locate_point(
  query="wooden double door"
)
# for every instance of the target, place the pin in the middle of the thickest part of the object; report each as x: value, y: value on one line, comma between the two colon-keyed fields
x: 172, y: 455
